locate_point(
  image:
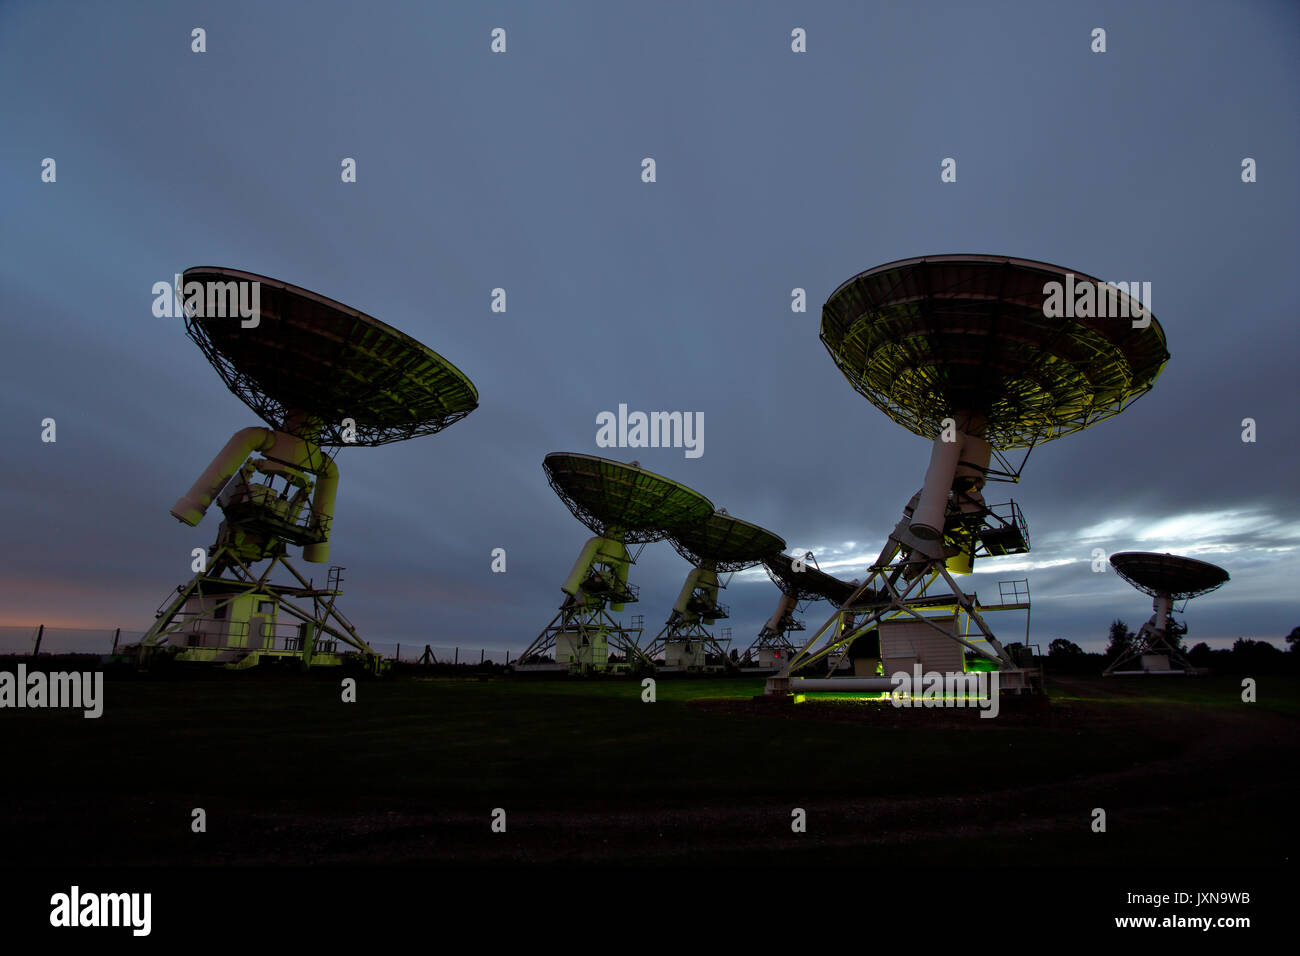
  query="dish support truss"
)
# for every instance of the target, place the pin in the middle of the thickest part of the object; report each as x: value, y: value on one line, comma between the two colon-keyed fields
x: 685, y: 640
x: 582, y: 632
x: 773, y: 647
x: 1159, y: 635
x: 285, y: 498
x: 899, y: 582
x: 314, y: 639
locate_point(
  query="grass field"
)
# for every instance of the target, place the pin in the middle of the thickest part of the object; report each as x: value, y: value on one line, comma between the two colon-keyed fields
x: 586, y: 771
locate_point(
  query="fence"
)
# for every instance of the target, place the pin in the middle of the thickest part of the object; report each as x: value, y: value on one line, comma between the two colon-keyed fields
x: 64, y: 640
x: 413, y: 652
x: 101, y: 640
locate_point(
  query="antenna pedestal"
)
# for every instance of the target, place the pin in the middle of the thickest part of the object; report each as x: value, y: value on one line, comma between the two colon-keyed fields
x: 236, y: 617
x: 1156, y: 648
x: 773, y: 647
x: 685, y: 641
x: 913, y: 621
x: 232, y: 615
x: 580, y: 636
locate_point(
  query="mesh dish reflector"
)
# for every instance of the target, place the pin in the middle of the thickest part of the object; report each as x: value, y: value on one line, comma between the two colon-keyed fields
x: 1171, y: 574
x: 611, y: 497
x: 726, y: 543
x: 810, y: 584
x: 311, y: 356
x: 942, y: 336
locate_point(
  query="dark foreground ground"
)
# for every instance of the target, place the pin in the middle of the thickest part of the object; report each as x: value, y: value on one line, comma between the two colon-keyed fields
x: 411, y: 773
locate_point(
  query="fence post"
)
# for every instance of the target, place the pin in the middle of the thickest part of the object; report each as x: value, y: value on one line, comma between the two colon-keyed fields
x: 398, y: 655
x: 481, y: 652
x: 456, y: 658
x: 40, y: 633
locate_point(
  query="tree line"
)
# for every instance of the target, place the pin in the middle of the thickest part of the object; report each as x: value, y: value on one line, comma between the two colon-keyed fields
x: 1245, y: 656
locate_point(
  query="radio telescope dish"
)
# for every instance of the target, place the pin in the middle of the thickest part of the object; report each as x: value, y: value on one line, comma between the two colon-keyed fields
x: 319, y: 374
x: 810, y: 584
x: 1180, y: 578
x: 965, y: 336
x: 310, y: 362
x: 614, y: 499
x: 725, y: 543
x: 981, y: 355
x: 1168, y: 578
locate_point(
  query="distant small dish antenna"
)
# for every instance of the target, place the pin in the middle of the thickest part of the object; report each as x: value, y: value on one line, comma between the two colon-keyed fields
x: 1171, y: 580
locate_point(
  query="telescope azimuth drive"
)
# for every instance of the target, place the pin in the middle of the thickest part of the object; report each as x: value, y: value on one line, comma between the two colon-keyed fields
x: 718, y: 544
x: 621, y: 504
x: 964, y: 350
x: 1170, y: 579
x: 321, y: 375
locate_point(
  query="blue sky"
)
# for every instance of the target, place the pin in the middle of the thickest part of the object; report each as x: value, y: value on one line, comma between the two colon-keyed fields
x: 775, y: 170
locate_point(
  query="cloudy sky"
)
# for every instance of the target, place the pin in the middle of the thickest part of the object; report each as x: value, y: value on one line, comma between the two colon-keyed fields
x: 522, y: 170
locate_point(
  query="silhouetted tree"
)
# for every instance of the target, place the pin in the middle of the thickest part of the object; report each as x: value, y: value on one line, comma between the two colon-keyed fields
x: 1251, y: 653
x: 1294, y: 639
x: 1063, y: 648
x: 1121, y: 638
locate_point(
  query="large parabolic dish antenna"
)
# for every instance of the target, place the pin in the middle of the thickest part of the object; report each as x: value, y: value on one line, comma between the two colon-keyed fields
x: 1156, y: 574
x: 808, y: 584
x: 320, y: 374
x: 310, y: 362
x: 955, y: 336
x: 614, y: 499
x: 725, y: 544
x: 981, y: 355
